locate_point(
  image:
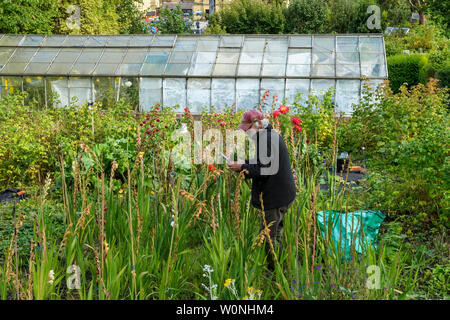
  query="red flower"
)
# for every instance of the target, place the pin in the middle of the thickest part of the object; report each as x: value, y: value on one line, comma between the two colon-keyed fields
x: 307, y: 141
x: 156, y: 108
x: 298, y: 128
x: 222, y: 123
x: 276, y: 113
x: 284, y: 109
x: 211, y: 167
x: 296, y: 121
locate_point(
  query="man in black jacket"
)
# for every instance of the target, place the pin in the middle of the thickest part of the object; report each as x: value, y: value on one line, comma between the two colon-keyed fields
x: 271, y: 173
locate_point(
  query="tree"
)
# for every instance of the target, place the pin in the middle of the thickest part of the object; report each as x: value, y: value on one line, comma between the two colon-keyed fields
x: 172, y: 21
x: 252, y: 16
x: 96, y: 17
x: 130, y: 17
x: 306, y: 16
x: 28, y: 16
x: 421, y: 7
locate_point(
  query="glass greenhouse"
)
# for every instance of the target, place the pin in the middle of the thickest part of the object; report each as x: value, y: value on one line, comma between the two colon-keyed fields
x: 190, y: 70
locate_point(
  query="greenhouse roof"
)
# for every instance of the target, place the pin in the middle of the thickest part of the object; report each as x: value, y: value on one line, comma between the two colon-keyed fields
x: 346, y: 56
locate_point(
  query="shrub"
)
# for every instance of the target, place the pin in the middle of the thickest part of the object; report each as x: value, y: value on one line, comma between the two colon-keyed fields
x: 349, y: 16
x: 306, y: 16
x: 406, y: 68
x: 252, y: 16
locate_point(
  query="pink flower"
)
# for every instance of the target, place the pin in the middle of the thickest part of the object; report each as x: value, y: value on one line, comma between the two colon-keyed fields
x: 284, y: 109
x: 276, y: 113
x: 296, y: 121
x: 298, y: 128
x: 222, y: 123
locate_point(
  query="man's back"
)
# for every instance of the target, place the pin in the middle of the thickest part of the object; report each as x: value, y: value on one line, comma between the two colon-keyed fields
x: 275, y: 179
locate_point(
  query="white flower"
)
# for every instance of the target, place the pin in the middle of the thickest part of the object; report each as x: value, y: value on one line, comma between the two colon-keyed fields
x: 51, y: 276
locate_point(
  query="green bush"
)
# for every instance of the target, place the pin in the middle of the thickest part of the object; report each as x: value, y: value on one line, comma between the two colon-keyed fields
x: 252, y: 16
x: 306, y: 16
x: 407, y: 68
x: 444, y: 74
x: 406, y: 140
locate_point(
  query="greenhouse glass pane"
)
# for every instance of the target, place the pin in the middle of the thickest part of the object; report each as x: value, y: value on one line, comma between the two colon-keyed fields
x: 34, y: 86
x: 370, y: 87
x: 150, y: 93
x: 185, y: 44
x: 141, y: 41
x: 5, y: 53
x: 319, y: 87
x: 371, y: 44
x: 275, y: 57
x: 323, y: 70
x: 75, y: 41
x: 111, y: 55
x: 251, y: 57
x: 201, y: 69
x: 347, y: 57
x: 298, y: 70
x: 224, y: 69
x: 373, y: 70
x: 296, y: 86
x: 60, y: 87
x: 300, y: 41
x: 174, y: 93
x: 198, y: 94
x: 120, y: 41
x: 129, y: 69
x: 104, y: 91
x: 11, y: 40
x: 277, y: 44
x: 45, y: 55
x: 322, y: 57
x: 82, y: 68
x: 231, y: 41
x: 347, y: 93
x: 372, y: 58
x: 247, y: 93
x: 10, y: 85
x: 324, y: 43
x: 163, y: 41
x: 22, y: 55
x: 348, y: 70
x: 204, y: 57
x: 207, y: 45
x: 14, y: 67
x: 275, y: 87
x: 67, y: 55
x: 249, y: 70
x: 90, y: 55
x: 299, y: 56
x: 108, y: 69
x: 158, y: 55
x: 53, y: 41
x: 227, y: 55
x: 181, y: 57
x: 32, y: 40
x: 96, y: 41
x: 37, y: 67
x: 135, y: 55
x: 222, y: 93
x: 153, y: 69
x: 81, y: 89
x: 59, y: 68
x: 347, y: 44
x: 177, y: 69
x: 254, y: 45
x: 275, y: 70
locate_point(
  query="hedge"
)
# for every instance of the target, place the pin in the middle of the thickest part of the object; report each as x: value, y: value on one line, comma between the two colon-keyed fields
x: 407, y: 68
